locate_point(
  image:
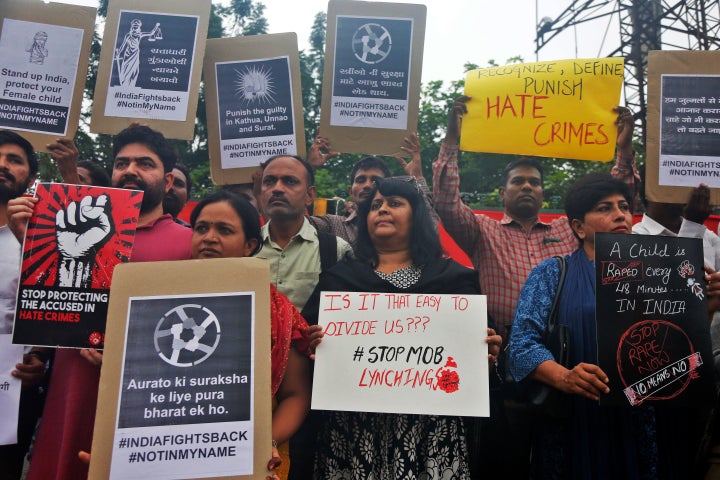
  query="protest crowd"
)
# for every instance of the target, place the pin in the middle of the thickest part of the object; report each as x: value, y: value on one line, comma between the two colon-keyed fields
x: 533, y: 273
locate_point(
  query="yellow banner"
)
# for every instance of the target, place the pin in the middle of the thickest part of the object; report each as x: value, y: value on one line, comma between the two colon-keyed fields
x: 557, y: 109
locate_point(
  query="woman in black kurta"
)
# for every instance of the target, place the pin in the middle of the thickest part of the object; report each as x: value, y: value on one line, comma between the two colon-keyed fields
x: 398, y: 251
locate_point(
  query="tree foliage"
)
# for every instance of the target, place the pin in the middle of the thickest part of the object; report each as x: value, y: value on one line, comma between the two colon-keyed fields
x: 480, y: 173
x: 241, y: 17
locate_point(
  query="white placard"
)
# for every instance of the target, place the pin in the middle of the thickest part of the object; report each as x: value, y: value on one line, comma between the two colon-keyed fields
x: 39, y: 62
x: 152, y: 66
x: 402, y: 353
x: 9, y: 389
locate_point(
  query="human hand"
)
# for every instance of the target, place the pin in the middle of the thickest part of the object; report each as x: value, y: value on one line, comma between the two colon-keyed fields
x: 93, y: 356
x: 625, y: 124
x: 274, y: 462
x: 84, y: 457
x: 19, y: 211
x: 494, y: 342
x: 585, y: 379
x: 31, y: 371
x: 65, y: 154
x: 458, y: 109
x: 413, y: 167
x: 698, y: 208
x: 315, y: 335
x: 320, y: 152
x: 83, y: 225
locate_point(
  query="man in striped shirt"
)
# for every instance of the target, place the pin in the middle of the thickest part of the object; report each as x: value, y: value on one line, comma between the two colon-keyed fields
x: 504, y: 252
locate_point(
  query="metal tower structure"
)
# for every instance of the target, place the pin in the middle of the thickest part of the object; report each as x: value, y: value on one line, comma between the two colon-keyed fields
x: 644, y: 25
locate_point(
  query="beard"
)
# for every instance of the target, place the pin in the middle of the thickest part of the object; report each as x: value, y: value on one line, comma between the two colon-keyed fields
x: 171, y: 205
x: 153, y: 196
x: 152, y: 193
x: 8, y: 191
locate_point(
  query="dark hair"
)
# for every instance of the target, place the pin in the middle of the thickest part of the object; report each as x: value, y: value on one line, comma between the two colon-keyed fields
x: 424, y: 239
x: 366, y: 164
x: 8, y: 137
x: 186, y: 171
x: 98, y: 174
x: 152, y: 139
x: 528, y: 162
x: 585, y: 193
x: 310, y: 175
x: 247, y: 213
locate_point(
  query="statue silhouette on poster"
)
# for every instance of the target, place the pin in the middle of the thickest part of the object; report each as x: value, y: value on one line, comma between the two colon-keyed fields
x: 127, y: 56
x: 37, y: 50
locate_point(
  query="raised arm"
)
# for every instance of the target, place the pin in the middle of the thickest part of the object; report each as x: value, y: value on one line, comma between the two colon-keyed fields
x: 625, y: 169
x: 65, y: 154
x: 413, y: 168
x: 320, y: 152
x: 458, y: 219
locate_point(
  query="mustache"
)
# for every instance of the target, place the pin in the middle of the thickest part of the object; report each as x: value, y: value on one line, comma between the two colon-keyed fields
x: 125, y: 180
x: 279, y: 196
x: 6, y: 173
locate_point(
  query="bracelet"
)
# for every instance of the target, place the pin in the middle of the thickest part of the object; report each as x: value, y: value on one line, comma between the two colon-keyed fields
x: 274, y: 443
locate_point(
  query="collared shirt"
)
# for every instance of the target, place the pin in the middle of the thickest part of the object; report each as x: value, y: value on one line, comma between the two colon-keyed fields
x: 295, y: 269
x: 343, y: 227
x: 503, y: 252
x: 711, y: 242
x: 162, y: 239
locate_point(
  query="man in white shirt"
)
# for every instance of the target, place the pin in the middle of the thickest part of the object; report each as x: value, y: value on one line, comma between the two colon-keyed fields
x: 18, y: 167
x: 678, y: 220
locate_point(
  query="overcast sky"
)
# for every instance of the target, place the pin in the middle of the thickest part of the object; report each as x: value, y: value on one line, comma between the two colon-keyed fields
x: 460, y: 31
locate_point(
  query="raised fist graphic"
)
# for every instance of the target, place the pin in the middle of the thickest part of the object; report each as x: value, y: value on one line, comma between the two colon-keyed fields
x: 81, y: 229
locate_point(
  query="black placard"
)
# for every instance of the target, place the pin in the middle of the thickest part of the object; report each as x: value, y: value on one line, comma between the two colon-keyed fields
x: 690, y: 116
x: 652, y: 321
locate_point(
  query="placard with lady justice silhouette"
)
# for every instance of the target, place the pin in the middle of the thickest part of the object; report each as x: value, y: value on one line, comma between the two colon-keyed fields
x: 150, y: 66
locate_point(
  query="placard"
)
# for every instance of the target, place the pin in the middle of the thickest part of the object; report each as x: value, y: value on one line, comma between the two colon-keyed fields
x: 683, y: 117
x: 75, y: 238
x: 44, y: 51
x: 150, y: 66
x: 9, y: 389
x: 253, y: 102
x: 402, y: 353
x: 652, y: 320
x: 185, y: 384
x: 373, y: 65
x: 560, y: 108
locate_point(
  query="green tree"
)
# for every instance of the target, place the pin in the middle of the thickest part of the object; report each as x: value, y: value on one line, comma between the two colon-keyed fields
x: 241, y: 17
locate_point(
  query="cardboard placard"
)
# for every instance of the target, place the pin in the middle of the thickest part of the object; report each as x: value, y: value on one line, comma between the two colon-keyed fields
x: 44, y: 52
x: 652, y: 320
x: 10, y: 386
x: 373, y: 65
x: 558, y: 109
x: 185, y: 381
x: 683, y: 125
x: 75, y: 238
x: 254, y: 104
x: 402, y: 353
x: 150, y: 66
